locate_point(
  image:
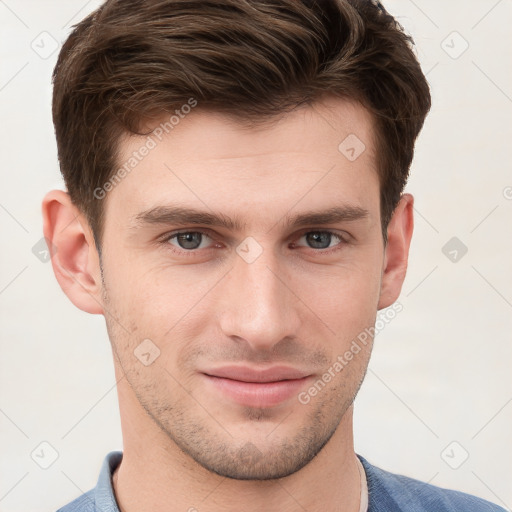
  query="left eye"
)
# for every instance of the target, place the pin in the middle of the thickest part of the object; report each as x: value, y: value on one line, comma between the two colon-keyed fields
x: 189, y: 240
x: 321, y: 239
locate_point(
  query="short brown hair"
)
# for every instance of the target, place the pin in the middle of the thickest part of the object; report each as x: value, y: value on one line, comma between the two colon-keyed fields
x: 133, y: 60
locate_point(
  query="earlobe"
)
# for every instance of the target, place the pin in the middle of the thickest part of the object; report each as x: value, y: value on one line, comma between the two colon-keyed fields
x: 74, y: 256
x: 396, y: 252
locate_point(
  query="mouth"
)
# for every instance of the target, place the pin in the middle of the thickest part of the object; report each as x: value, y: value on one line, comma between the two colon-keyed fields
x: 257, y: 387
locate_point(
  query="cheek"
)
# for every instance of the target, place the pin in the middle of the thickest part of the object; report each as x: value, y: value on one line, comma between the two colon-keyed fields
x: 163, y: 305
x: 145, y: 293
x: 345, y: 297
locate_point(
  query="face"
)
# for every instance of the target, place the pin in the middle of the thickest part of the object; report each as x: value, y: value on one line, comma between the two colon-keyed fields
x: 228, y: 319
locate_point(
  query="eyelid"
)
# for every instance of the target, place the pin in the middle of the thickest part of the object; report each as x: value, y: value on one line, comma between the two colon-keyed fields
x: 344, y: 241
x: 164, y: 239
x: 343, y: 235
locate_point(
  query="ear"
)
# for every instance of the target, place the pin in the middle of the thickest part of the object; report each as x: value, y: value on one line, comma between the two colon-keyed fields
x: 75, y: 259
x: 396, y: 252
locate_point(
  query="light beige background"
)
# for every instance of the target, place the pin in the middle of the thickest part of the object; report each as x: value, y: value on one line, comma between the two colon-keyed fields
x: 440, y: 372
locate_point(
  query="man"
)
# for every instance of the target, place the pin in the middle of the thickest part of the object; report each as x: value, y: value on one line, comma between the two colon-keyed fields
x: 235, y: 173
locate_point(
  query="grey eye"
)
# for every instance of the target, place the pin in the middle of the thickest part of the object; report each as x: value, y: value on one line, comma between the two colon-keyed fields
x: 189, y: 240
x: 321, y: 239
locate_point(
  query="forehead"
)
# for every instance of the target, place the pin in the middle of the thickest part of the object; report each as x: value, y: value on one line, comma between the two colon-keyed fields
x: 321, y: 126
x: 318, y: 154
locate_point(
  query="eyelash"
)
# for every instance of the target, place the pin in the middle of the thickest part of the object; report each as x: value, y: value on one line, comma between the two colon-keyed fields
x: 194, y: 252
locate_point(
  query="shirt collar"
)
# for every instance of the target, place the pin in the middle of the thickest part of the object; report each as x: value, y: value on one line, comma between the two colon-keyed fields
x: 104, y: 496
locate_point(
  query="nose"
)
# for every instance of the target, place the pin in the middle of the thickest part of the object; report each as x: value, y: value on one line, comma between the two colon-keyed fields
x: 257, y: 303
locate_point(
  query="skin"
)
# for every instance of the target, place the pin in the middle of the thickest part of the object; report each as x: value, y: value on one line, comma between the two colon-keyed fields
x: 187, y: 444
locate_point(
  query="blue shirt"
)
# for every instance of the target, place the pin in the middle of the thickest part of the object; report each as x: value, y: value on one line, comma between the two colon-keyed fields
x: 387, y: 492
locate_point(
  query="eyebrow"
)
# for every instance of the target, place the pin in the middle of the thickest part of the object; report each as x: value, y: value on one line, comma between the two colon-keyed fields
x: 181, y: 216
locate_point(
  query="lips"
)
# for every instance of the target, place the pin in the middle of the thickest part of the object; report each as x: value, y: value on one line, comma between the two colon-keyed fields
x: 246, y: 374
x: 257, y: 387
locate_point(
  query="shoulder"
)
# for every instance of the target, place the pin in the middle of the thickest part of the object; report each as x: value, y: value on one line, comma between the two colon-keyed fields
x: 389, y: 492
x: 101, y: 498
x: 84, y: 503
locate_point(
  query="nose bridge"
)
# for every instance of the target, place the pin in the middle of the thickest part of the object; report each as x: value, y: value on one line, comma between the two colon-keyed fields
x: 259, y: 306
